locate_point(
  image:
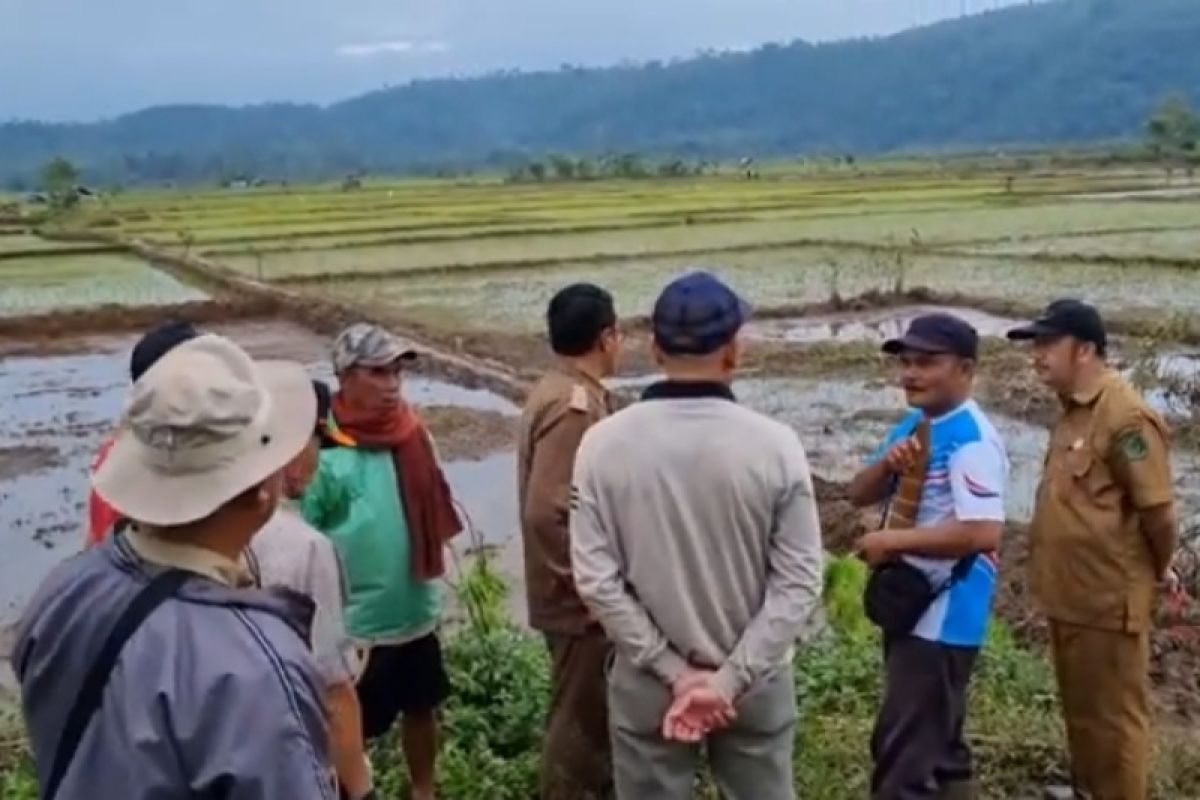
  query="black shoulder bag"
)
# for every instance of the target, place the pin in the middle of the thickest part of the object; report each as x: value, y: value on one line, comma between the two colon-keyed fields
x: 898, y: 594
x: 91, y: 693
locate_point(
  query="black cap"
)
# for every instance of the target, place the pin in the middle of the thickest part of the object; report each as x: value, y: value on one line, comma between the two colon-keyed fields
x: 936, y: 333
x: 156, y: 344
x: 1066, y: 318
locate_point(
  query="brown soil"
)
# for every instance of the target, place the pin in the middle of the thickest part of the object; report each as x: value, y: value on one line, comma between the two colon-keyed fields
x: 469, y: 434
x: 842, y: 525
x: 22, y: 460
x: 58, y: 332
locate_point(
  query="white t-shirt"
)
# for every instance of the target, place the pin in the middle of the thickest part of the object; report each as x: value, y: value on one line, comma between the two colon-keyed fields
x: 292, y: 554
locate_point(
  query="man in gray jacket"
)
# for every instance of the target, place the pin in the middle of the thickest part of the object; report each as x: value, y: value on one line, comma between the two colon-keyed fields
x: 695, y: 542
x: 213, y: 693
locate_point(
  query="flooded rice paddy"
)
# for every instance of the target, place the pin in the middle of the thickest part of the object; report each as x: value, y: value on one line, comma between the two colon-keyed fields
x: 868, y: 326
x: 502, y: 299
x: 40, y: 285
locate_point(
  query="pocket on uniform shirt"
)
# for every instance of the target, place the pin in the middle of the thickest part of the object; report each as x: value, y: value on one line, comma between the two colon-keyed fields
x: 1083, y: 479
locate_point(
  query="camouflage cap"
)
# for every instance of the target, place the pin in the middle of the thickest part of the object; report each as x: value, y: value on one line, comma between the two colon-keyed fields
x: 367, y: 345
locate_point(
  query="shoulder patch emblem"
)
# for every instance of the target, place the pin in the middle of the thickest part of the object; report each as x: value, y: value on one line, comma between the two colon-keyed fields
x: 1133, y: 446
x: 579, y: 398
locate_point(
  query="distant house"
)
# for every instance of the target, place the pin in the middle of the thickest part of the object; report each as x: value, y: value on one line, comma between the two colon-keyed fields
x: 37, y: 198
x: 82, y: 191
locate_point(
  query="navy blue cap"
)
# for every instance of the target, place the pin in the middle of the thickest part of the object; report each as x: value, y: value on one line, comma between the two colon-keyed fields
x: 1066, y: 317
x: 156, y: 344
x: 936, y: 333
x: 697, y: 314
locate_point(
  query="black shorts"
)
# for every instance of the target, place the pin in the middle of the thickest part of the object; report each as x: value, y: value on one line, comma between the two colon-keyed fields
x: 400, y: 679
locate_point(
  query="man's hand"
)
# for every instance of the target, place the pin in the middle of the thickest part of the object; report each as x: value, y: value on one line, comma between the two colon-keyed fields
x: 903, y: 454
x: 1170, y: 584
x: 875, y: 548
x: 699, y: 708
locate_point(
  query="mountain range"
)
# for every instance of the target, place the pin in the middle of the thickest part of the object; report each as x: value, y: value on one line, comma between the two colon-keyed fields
x: 1047, y: 73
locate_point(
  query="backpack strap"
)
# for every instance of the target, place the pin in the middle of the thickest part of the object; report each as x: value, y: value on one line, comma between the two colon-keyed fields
x: 91, y: 693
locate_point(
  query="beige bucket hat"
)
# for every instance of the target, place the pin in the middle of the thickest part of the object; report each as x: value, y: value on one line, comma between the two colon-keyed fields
x: 203, y: 425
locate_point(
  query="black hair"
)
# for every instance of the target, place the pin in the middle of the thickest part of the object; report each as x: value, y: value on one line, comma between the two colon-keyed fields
x: 156, y: 344
x: 578, y: 315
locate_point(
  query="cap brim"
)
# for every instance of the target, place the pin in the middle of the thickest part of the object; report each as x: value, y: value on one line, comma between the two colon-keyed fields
x: 1031, y: 331
x: 129, y: 483
x: 912, y: 344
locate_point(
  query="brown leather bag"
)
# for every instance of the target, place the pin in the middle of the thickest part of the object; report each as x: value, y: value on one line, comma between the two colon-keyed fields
x: 902, y: 511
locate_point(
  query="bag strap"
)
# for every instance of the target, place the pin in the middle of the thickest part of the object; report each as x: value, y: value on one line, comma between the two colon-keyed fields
x: 91, y: 693
x: 962, y: 568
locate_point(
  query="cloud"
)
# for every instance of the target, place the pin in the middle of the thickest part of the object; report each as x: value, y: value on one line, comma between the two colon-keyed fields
x: 373, y: 49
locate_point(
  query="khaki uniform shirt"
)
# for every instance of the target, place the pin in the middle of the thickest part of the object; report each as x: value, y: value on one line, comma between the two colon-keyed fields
x: 559, y: 410
x: 1108, y: 461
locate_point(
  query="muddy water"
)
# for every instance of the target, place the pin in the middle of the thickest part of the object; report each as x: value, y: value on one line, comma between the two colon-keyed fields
x: 59, y: 408
x: 870, y: 326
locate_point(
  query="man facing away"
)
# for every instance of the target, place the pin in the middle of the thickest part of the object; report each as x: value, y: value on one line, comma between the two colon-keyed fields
x: 212, y: 692
x: 570, y: 398
x: 918, y: 746
x: 150, y: 348
x: 1103, y: 534
x: 290, y: 553
x: 695, y: 543
x: 387, y: 507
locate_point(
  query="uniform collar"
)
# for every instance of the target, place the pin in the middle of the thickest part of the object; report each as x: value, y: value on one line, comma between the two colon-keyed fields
x: 1089, y: 396
x: 188, y: 557
x: 574, y: 373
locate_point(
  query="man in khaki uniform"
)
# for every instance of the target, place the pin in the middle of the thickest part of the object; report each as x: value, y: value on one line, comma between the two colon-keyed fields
x: 576, y: 761
x: 1103, y: 534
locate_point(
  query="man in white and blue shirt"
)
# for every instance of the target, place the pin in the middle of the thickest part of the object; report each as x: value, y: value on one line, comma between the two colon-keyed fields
x: 918, y: 746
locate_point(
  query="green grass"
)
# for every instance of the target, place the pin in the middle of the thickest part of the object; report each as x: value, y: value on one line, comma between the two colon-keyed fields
x: 1181, y: 243
x: 494, y: 722
x: 12, y: 243
x: 41, y: 284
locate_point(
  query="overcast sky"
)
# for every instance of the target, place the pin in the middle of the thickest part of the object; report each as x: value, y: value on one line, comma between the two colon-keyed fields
x: 83, y: 59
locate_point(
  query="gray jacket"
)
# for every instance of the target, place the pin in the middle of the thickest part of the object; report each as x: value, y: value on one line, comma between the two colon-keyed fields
x: 694, y: 535
x: 215, y: 695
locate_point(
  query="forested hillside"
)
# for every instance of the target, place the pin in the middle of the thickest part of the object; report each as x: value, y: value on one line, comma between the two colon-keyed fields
x: 1062, y: 71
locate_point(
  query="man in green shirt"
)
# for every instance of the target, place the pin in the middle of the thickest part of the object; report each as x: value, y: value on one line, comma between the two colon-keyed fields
x: 387, y: 507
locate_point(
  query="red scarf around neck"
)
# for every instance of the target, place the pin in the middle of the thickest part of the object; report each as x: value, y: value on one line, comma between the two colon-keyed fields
x: 428, y: 503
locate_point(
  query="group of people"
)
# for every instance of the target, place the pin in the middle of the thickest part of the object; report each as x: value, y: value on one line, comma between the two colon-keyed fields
x: 673, y: 556
x: 260, y: 593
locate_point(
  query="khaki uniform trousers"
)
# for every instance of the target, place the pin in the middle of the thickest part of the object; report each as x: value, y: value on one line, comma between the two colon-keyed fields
x: 576, y: 754
x: 1104, y: 685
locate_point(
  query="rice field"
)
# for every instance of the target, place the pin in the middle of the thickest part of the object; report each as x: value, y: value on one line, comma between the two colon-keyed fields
x: 479, y: 254
x: 503, y: 298
x: 41, y: 284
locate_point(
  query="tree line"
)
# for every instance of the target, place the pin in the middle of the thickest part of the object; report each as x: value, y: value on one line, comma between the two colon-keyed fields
x: 1048, y: 73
